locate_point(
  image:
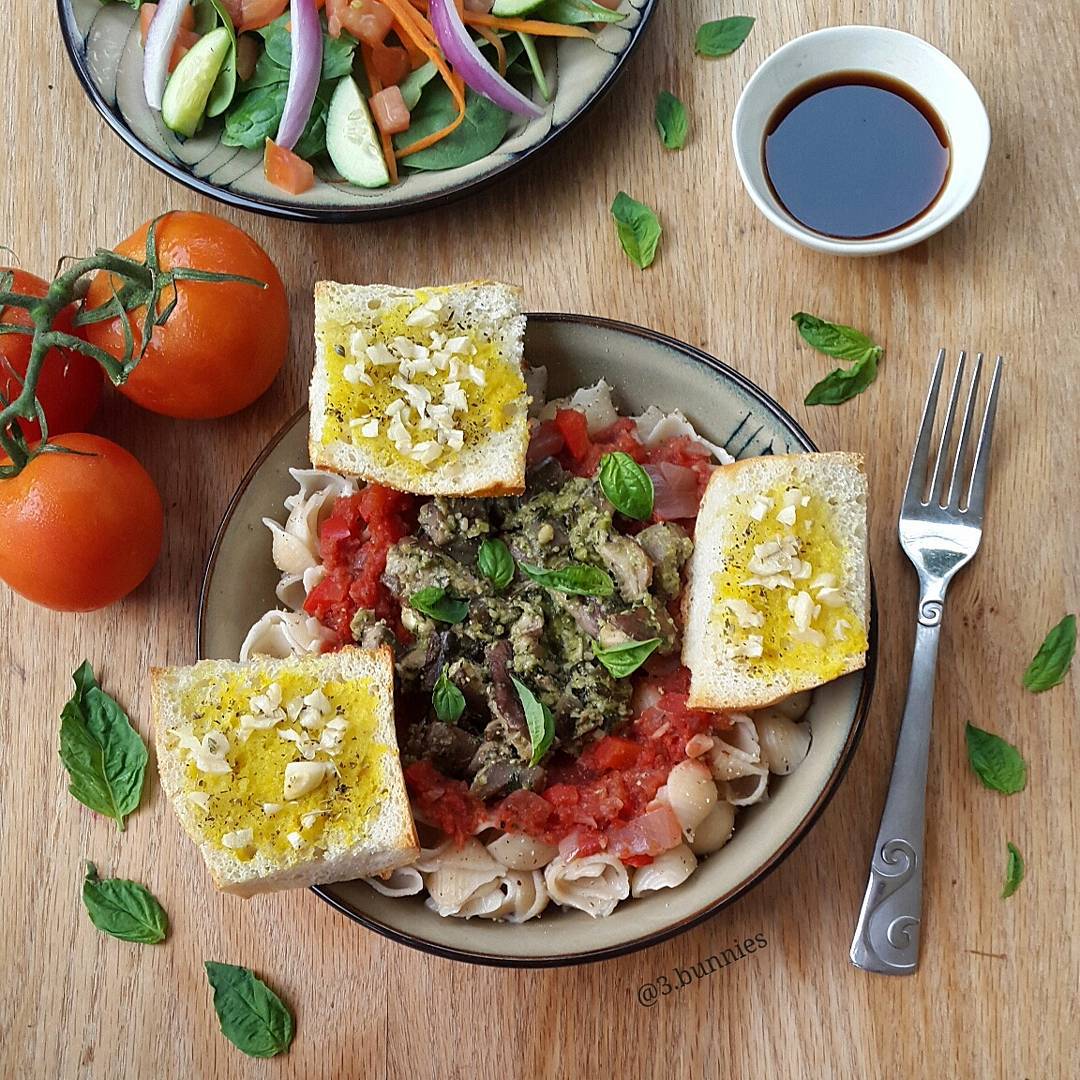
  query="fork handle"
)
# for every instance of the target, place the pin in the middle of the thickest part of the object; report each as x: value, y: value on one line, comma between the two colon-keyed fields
x: 887, y: 934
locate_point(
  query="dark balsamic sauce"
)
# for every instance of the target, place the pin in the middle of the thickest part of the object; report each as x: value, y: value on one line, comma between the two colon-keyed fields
x: 854, y: 155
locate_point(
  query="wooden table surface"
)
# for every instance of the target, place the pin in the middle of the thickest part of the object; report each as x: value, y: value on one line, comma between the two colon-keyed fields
x: 996, y: 994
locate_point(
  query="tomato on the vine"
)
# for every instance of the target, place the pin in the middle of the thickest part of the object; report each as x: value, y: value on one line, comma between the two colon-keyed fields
x: 222, y: 343
x: 69, y: 388
x: 78, y: 531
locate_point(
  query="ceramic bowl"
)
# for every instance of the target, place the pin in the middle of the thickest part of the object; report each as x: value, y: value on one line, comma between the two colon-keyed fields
x: 881, y: 51
x: 103, y: 45
x: 644, y: 368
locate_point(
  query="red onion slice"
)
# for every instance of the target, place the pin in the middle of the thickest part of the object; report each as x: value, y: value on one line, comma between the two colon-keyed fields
x: 675, y: 491
x: 305, y: 67
x: 467, y: 60
x: 160, y: 38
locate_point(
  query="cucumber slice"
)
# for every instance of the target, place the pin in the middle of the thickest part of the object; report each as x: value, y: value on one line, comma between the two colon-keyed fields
x: 511, y: 9
x: 189, y: 86
x: 351, y: 138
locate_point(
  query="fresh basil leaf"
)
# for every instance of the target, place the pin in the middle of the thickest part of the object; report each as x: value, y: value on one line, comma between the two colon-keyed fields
x: 434, y: 603
x: 337, y: 57
x: 834, y: 339
x: 577, y: 579
x: 448, y: 700
x: 671, y: 120
x: 104, y: 757
x: 123, y: 909
x: 478, y: 135
x: 538, y: 717
x: 638, y: 228
x: 1053, y: 658
x: 722, y: 37
x: 1014, y: 871
x: 253, y: 1018
x: 255, y: 117
x: 627, y: 485
x: 997, y: 764
x: 844, y: 383
x: 496, y: 563
x: 575, y: 12
x: 623, y: 660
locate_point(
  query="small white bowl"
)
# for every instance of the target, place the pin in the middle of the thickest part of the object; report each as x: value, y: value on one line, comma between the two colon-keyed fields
x: 880, y: 51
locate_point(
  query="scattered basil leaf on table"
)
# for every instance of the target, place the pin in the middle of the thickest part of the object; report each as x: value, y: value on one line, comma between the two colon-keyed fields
x: 123, y: 909
x: 448, y: 700
x: 671, y: 120
x: 253, y: 1018
x: 623, y: 660
x: 628, y: 487
x: 575, y: 12
x: 103, y: 754
x: 496, y: 563
x: 1053, y: 658
x: 577, y: 579
x: 997, y: 764
x: 638, y: 229
x: 844, y: 343
x: 539, y: 719
x: 722, y: 37
x: 1014, y: 871
x: 434, y: 603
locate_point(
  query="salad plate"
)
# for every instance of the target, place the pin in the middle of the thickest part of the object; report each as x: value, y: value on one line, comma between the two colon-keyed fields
x: 644, y: 368
x: 104, y: 45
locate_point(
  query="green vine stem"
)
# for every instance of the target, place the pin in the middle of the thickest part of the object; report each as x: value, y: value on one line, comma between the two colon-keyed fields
x: 143, y: 285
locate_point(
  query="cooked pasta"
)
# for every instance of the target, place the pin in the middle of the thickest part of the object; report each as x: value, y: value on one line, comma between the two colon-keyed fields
x: 404, y: 881
x: 522, y: 896
x: 690, y: 791
x: 784, y: 743
x: 715, y: 831
x: 516, y: 851
x: 664, y: 872
x: 284, y: 633
x: 593, y: 884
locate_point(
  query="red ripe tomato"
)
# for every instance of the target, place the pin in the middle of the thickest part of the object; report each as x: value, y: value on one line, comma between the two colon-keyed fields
x: 367, y: 20
x: 391, y: 64
x: 79, y: 531
x: 224, y: 341
x: 69, y: 388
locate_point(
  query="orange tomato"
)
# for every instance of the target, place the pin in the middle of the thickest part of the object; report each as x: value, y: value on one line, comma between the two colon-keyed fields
x: 79, y: 531
x: 286, y: 170
x: 224, y: 341
x: 69, y: 387
x: 253, y: 14
x: 391, y: 63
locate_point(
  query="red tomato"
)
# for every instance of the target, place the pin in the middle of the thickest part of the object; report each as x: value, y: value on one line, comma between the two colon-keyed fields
x: 391, y: 64
x: 224, y: 341
x: 286, y: 170
x: 575, y: 431
x: 69, y: 387
x: 611, y: 752
x: 253, y: 14
x: 367, y: 20
x: 447, y: 804
x: 389, y: 111
x: 79, y: 531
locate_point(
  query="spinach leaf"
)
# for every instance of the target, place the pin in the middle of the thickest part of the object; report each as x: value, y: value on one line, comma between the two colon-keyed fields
x: 671, y: 120
x: 448, y: 700
x: 312, y: 141
x: 102, y: 753
x: 256, y: 117
x: 337, y: 57
x: 577, y: 579
x: 480, y: 133
x: 627, y: 485
x: 528, y: 43
x: 496, y: 563
x: 623, y: 660
x: 638, y: 228
x: 413, y: 84
x: 266, y: 73
x: 224, y: 88
x: 539, y: 719
x: 997, y: 764
x: 434, y: 603
x: 1053, y: 658
x: 722, y: 37
x: 845, y: 343
x: 1014, y: 871
x: 253, y: 1018
x: 574, y: 12
x: 123, y: 909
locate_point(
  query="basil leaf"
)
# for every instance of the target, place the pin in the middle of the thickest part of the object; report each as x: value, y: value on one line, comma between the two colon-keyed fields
x: 844, y: 383
x: 574, y: 12
x: 123, y: 909
x: 253, y: 1018
x: 496, y: 563
x: 1014, y: 871
x: 538, y: 717
x: 102, y: 753
x: 434, y: 603
x: 834, y: 339
x: 638, y: 228
x: 577, y: 579
x: 998, y: 764
x: 623, y: 660
x: 671, y: 120
x: 448, y: 700
x: 478, y: 135
x: 1053, y: 658
x: 722, y: 37
x: 627, y: 485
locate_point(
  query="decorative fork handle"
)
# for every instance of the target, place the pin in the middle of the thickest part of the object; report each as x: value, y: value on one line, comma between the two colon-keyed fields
x: 887, y: 934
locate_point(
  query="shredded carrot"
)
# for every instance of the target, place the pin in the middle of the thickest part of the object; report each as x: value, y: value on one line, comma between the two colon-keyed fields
x: 524, y: 26
x: 417, y: 58
x: 375, y: 85
x: 500, y: 49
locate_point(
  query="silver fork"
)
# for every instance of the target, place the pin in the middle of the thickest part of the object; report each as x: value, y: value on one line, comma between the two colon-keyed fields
x: 939, y: 532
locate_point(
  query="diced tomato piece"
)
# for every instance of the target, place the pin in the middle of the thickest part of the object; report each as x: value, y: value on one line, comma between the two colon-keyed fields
x: 611, y: 752
x: 287, y: 171
x: 575, y: 431
x: 367, y: 20
x: 524, y: 811
x: 546, y: 441
x: 389, y: 111
x: 652, y: 833
x: 446, y: 803
x: 391, y: 64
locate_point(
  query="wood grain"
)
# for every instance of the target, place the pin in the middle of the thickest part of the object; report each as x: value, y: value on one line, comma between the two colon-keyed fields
x: 997, y: 991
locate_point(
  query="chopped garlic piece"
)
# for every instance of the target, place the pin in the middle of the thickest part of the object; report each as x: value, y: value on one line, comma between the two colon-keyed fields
x: 309, y: 819
x: 380, y: 355
x: 296, y: 840
x: 762, y: 505
x: 750, y: 648
x: 370, y: 429
x: 271, y: 808
x: 200, y: 798
x: 354, y: 374
x: 237, y: 840
x: 830, y: 597
x: 745, y: 613
x: 792, y: 497
x: 786, y: 515
x: 458, y: 346
x: 840, y: 629
x: 823, y: 581
x: 803, y: 609
x: 358, y: 342
x: 809, y: 636
x: 302, y: 777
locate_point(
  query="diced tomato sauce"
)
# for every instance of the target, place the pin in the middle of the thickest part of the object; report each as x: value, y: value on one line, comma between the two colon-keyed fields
x: 444, y: 803
x: 682, y: 450
x: 353, y: 542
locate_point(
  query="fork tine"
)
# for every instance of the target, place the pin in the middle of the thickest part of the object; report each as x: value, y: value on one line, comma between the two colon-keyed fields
x: 962, y: 440
x: 937, y: 480
x: 916, y: 482
x: 977, y: 491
